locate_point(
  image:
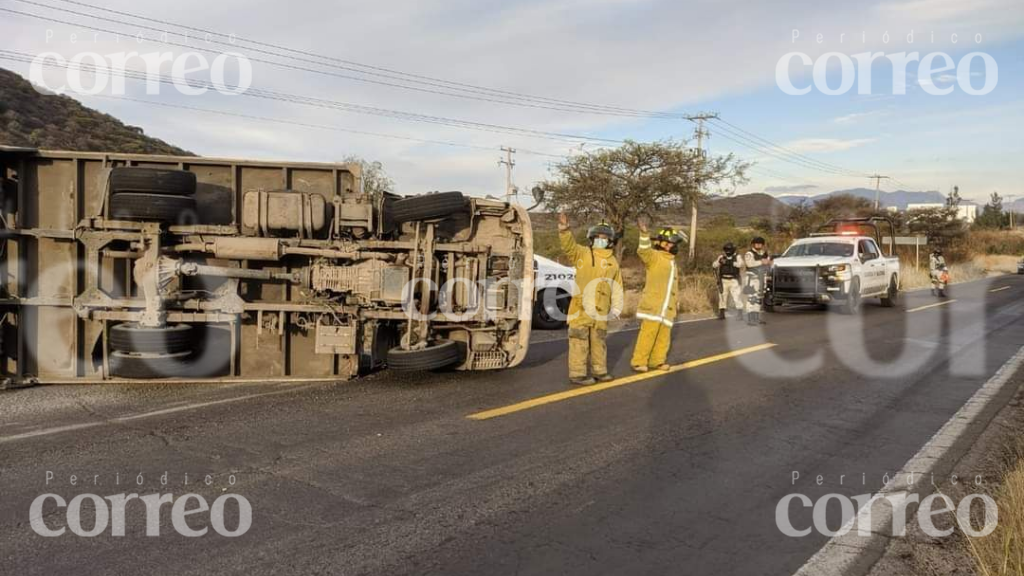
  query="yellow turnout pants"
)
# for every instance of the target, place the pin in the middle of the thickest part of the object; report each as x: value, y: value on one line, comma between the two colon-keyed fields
x: 587, y: 341
x: 652, y: 344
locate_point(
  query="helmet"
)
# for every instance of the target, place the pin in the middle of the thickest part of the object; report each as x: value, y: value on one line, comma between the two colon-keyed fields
x: 602, y: 228
x: 729, y: 248
x: 937, y: 251
x: 757, y: 240
x: 671, y: 236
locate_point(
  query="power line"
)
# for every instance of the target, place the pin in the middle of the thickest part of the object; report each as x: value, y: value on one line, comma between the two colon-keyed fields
x: 322, y: 126
x: 321, y: 103
x: 491, y: 94
x: 484, y: 94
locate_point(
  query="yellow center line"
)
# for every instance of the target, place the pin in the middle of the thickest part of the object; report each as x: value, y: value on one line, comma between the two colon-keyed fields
x: 559, y: 396
x: 931, y: 306
x: 1000, y: 289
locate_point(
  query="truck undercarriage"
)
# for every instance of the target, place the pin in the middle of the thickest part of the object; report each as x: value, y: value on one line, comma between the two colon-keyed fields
x: 144, y: 267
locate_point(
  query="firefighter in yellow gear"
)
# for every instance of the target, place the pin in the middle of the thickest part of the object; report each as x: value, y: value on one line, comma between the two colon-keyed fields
x: 658, y: 303
x: 597, y: 297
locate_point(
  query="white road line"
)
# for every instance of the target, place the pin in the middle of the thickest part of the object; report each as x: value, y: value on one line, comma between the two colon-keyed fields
x: 931, y: 306
x: 162, y: 412
x: 1000, y: 289
x: 849, y: 551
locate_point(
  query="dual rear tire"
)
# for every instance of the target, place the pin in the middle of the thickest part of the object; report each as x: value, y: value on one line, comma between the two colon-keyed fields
x: 148, y: 353
x: 152, y: 195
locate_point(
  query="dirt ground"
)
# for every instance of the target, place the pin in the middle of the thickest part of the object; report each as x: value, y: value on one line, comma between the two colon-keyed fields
x: 993, y: 455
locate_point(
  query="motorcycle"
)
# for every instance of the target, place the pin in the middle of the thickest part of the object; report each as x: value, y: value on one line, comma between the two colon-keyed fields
x: 940, y: 279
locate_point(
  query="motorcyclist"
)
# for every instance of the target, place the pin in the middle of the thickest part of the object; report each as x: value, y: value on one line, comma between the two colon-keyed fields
x: 659, y: 301
x: 936, y: 268
x: 598, y: 296
x: 936, y: 262
x: 728, y: 267
x: 757, y: 263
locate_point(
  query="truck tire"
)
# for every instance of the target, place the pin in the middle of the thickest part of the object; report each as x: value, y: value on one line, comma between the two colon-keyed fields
x: 892, y: 295
x: 427, y: 206
x: 132, y: 338
x: 550, y: 309
x: 151, y: 207
x: 152, y: 181
x: 148, y: 366
x: 430, y: 358
x: 852, y: 304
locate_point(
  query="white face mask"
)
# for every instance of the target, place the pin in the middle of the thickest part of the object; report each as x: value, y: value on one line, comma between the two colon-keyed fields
x: 600, y: 243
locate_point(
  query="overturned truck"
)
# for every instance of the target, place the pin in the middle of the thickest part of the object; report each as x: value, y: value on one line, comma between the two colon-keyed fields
x: 120, y: 266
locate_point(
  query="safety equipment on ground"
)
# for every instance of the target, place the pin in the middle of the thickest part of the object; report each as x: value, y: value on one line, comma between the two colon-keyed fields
x: 602, y: 228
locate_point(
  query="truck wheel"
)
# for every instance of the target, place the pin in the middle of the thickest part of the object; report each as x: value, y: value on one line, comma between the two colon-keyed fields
x: 550, y: 309
x: 427, y: 206
x: 152, y: 181
x: 892, y: 295
x: 132, y: 338
x: 154, y: 207
x: 430, y: 358
x: 148, y: 366
x: 852, y: 304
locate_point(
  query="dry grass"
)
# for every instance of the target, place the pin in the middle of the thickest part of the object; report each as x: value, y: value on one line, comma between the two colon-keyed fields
x: 697, y: 293
x: 1001, y: 553
x: 959, y: 272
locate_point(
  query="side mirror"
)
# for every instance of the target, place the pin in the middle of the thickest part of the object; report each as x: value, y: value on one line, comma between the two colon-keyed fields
x: 538, y: 194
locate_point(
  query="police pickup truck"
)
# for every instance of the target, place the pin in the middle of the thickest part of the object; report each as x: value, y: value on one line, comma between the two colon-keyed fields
x: 840, y: 265
x: 554, y: 285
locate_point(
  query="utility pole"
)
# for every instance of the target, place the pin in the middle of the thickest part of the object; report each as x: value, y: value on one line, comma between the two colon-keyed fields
x: 510, y: 188
x: 701, y: 133
x: 878, y: 186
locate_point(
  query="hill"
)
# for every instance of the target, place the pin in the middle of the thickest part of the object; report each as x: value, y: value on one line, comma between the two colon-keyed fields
x: 742, y: 208
x: 899, y: 198
x: 29, y: 118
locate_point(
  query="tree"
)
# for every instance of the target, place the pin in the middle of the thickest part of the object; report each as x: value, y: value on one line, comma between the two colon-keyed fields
x: 375, y: 179
x: 992, y: 215
x: 637, y: 179
x: 953, y: 199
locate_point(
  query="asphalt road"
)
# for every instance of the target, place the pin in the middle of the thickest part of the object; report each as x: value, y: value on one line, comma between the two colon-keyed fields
x: 453, y: 474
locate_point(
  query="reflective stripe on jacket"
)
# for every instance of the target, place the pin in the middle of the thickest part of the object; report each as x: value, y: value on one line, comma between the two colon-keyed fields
x: 660, y: 297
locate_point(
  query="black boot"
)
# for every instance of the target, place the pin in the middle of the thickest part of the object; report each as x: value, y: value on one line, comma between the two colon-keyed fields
x: 721, y: 313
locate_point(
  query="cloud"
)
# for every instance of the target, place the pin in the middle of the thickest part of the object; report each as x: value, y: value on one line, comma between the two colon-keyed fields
x: 855, y: 117
x: 827, y: 144
x: 790, y: 189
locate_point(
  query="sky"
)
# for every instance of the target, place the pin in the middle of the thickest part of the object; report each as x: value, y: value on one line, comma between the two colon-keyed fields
x: 679, y: 57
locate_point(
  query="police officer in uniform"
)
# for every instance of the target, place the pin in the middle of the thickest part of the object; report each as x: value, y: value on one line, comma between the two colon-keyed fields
x: 598, y: 296
x: 757, y: 263
x: 659, y: 301
x: 727, y: 266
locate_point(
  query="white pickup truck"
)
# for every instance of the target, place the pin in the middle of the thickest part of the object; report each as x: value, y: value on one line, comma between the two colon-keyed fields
x: 553, y: 284
x: 841, y: 266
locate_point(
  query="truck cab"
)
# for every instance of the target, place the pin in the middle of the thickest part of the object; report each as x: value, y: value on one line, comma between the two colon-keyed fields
x: 840, y: 266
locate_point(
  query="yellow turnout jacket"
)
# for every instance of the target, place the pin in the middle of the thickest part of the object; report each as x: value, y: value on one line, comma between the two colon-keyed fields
x: 660, y: 298
x: 598, y: 283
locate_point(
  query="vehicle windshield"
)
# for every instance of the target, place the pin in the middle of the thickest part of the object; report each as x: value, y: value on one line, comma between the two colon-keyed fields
x: 820, y: 249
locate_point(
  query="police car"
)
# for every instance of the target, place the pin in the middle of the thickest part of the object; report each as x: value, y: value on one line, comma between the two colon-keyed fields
x: 554, y: 286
